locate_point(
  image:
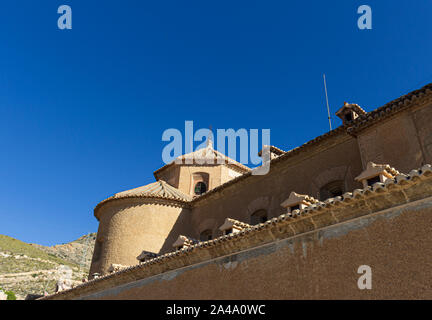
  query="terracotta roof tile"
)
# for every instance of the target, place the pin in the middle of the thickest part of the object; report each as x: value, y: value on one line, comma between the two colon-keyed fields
x: 206, y: 155
x: 157, y: 190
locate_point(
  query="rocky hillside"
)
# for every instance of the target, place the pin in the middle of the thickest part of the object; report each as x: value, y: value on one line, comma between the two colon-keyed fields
x: 32, y: 269
x: 79, y: 252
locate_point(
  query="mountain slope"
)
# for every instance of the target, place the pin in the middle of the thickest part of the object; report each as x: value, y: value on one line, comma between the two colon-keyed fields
x: 79, y: 252
x: 27, y: 268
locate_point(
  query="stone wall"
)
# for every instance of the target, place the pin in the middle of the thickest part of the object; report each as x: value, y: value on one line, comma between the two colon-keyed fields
x: 305, y: 173
x: 398, y: 134
x: 323, y: 264
x: 311, y: 254
x: 403, y: 141
x: 129, y: 226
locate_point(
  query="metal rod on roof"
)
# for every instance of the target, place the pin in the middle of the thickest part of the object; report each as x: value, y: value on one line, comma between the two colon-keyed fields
x: 328, y: 108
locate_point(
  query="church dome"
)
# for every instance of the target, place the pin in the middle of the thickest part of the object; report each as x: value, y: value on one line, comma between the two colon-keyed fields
x: 158, y: 189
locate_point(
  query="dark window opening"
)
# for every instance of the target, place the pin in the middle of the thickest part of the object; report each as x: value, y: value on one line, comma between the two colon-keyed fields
x: 200, y: 188
x: 338, y: 193
x: 348, y: 117
x: 228, y: 231
x: 332, y: 190
x: 373, y: 180
x: 206, y: 235
x: 297, y: 207
x: 259, y: 216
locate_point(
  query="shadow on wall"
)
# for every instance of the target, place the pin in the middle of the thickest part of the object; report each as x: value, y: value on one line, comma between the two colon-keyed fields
x: 182, y: 226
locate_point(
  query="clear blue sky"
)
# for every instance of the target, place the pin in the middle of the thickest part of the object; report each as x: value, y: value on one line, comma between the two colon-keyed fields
x: 82, y: 111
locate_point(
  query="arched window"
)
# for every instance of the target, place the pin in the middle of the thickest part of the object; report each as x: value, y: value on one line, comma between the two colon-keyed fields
x: 200, y: 183
x: 200, y: 188
x: 259, y: 216
x: 206, y: 235
x: 331, y: 190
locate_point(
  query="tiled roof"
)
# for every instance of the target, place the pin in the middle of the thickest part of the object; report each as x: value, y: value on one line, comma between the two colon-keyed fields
x: 363, y: 121
x: 146, y: 255
x: 274, y: 150
x: 373, y: 169
x: 389, y: 109
x: 230, y: 223
x: 159, y: 189
x: 287, y: 154
x: 206, y: 155
x: 295, y: 198
x: 184, y: 241
x: 401, y: 181
x: 355, y: 107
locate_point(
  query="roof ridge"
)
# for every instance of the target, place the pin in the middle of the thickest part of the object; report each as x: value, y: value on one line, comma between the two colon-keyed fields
x: 215, y: 155
x: 357, y: 124
x: 390, y: 108
x: 159, y: 189
x: 163, y: 186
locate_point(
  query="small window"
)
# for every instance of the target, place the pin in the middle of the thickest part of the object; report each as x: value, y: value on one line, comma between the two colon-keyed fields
x: 259, y: 216
x: 206, y: 235
x: 228, y: 231
x: 200, y: 183
x: 200, y: 188
x: 297, y: 207
x: 348, y: 117
x: 332, y: 190
x: 373, y: 180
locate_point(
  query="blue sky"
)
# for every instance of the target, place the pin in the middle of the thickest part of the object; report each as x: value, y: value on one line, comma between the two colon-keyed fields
x: 82, y: 111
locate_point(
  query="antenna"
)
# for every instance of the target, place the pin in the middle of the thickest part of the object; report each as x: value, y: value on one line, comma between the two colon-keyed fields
x: 328, y: 108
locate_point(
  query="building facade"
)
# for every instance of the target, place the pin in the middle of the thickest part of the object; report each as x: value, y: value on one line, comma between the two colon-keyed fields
x: 300, y: 231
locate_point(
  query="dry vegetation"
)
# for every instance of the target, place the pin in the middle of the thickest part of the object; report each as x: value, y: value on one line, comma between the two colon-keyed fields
x: 32, y: 269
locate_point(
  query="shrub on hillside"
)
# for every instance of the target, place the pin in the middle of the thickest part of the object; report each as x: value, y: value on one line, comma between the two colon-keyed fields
x: 10, y: 295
